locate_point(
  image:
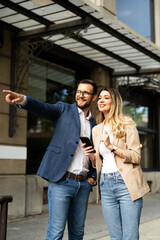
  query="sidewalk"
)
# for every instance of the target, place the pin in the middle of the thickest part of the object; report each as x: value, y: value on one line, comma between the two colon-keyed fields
x: 36, y: 227
x: 148, y: 231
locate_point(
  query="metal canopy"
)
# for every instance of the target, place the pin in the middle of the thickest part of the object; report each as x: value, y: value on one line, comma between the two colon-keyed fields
x: 83, y: 29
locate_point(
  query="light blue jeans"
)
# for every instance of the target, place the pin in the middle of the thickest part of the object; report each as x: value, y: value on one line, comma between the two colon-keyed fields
x: 121, y: 214
x: 67, y: 201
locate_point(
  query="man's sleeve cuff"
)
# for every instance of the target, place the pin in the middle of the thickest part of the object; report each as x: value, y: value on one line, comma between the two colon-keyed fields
x: 22, y: 103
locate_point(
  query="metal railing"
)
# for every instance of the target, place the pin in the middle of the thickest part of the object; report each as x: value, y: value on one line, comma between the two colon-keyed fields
x: 4, y: 200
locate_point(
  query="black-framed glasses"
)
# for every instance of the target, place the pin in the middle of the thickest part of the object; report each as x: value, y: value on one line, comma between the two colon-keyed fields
x: 84, y: 93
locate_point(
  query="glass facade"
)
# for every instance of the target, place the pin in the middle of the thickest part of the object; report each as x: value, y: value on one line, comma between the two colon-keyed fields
x: 50, y: 83
x: 142, y: 115
x: 139, y: 15
x: 138, y: 113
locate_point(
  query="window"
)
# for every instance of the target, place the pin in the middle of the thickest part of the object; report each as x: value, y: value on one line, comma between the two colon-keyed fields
x: 139, y: 15
x: 142, y: 116
x: 50, y: 83
x: 139, y: 114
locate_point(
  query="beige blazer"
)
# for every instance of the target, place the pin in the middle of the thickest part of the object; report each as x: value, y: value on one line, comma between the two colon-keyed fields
x: 129, y: 167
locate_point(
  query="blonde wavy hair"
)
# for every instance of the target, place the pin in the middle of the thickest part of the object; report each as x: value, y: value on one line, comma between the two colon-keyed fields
x: 117, y: 120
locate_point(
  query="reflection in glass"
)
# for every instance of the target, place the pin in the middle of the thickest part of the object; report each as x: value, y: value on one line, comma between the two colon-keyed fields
x: 50, y: 83
x: 146, y: 140
x: 138, y: 114
x: 138, y: 15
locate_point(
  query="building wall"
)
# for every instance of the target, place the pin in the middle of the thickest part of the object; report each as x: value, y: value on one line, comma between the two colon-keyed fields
x: 107, y: 7
x: 28, y: 190
x: 12, y: 149
x: 158, y: 133
x: 157, y: 22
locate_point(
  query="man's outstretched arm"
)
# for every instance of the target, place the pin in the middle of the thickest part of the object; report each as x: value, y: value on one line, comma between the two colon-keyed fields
x: 36, y: 107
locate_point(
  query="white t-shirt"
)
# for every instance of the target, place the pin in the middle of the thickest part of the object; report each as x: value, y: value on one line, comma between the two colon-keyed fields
x: 109, y: 164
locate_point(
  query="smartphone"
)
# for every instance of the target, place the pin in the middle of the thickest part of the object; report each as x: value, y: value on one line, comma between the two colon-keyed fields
x: 87, y: 141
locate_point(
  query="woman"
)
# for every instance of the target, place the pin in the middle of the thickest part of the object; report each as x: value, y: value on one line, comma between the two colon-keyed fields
x: 117, y: 160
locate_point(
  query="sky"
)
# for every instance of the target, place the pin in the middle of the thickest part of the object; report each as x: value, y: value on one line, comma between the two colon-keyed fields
x: 135, y: 14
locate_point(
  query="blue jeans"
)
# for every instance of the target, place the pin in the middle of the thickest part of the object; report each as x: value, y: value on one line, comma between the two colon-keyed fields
x: 121, y: 214
x: 67, y: 201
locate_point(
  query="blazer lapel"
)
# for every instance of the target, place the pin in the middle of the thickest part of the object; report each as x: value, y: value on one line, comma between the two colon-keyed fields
x: 76, y: 118
x: 99, y: 135
x: 92, y: 124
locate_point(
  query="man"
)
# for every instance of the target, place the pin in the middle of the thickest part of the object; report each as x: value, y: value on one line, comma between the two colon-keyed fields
x: 69, y: 172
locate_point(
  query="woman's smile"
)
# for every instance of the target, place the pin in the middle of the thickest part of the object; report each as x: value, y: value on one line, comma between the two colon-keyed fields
x: 104, y: 102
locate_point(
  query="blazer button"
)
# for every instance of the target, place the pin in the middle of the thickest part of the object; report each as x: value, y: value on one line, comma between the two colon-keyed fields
x: 77, y: 142
x: 72, y: 155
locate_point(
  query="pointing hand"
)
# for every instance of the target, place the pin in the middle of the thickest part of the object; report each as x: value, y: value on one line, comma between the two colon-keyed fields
x: 13, y: 97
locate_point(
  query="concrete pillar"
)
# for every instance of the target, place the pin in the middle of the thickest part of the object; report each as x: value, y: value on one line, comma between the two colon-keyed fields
x: 102, y: 79
x: 34, y: 194
x: 14, y: 185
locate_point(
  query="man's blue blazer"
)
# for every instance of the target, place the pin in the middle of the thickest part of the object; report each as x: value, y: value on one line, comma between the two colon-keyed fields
x: 65, y: 139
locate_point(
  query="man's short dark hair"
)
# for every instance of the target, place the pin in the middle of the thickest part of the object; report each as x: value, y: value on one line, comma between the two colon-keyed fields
x: 91, y: 82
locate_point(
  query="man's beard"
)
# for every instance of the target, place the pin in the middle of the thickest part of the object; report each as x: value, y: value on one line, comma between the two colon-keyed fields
x: 86, y: 105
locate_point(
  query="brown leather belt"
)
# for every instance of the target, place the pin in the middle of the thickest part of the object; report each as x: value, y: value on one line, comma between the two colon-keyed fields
x: 77, y: 177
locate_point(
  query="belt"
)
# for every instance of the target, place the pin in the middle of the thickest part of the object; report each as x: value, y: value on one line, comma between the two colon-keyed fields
x: 77, y: 177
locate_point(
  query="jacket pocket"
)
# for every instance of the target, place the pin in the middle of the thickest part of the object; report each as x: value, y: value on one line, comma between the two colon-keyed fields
x: 54, y: 148
x: 139, y: 177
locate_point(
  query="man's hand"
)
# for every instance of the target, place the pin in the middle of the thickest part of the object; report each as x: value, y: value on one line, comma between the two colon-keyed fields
x: 91, y: 181
x: 88, y: 151
x: 13, y: 97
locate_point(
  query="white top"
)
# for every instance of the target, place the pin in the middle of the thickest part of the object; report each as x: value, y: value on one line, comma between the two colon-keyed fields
x: 80, y: 162
x: 109, y: 164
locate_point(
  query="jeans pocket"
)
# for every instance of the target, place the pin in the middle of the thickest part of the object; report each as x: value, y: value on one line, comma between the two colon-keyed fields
x: 89, y: 184
x: 62, y: 180
x: 120, y: 179
x: 101, y: 181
